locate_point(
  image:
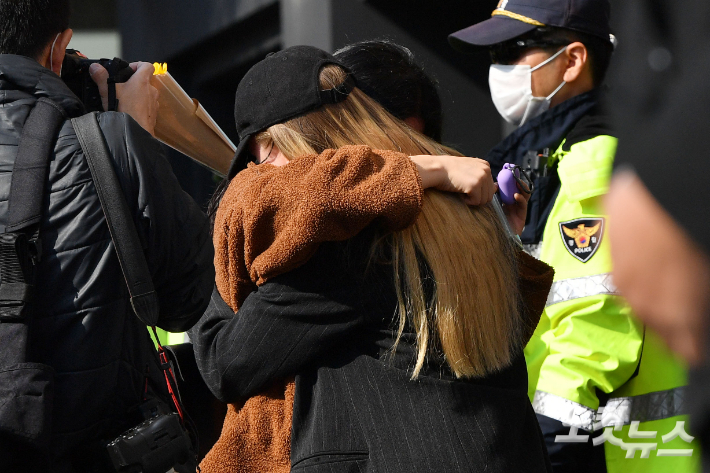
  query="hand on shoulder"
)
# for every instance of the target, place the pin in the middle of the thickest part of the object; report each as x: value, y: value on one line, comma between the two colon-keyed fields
x: 465, y: 175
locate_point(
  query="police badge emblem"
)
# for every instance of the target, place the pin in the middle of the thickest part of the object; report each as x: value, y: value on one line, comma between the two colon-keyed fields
x: 582, y: 236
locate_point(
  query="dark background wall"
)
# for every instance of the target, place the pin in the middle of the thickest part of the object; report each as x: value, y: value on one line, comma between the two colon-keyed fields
x: 210, y: 44
x: 93, y: 14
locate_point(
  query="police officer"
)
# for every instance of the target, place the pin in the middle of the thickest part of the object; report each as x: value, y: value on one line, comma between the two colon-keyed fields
x: 607, y: 391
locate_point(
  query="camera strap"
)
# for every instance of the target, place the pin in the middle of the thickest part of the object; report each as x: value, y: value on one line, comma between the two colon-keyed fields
x: 119, y: 71
x: 144, y: 299
x: 112, y: 100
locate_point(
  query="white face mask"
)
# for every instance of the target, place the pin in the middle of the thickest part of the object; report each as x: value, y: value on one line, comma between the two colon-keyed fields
x: 511, y: 90
x: 51, y: 55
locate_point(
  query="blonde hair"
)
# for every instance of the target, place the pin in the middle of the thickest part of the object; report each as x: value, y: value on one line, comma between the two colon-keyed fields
x: 472, y: 317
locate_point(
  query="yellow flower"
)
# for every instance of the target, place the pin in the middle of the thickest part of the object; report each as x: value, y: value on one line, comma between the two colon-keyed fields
x: 160, y: 68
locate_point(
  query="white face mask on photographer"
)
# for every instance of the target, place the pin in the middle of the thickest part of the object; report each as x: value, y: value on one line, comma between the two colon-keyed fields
x: 511, y: 90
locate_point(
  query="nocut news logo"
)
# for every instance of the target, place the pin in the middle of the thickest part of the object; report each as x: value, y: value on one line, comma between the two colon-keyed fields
x: 644, y: 441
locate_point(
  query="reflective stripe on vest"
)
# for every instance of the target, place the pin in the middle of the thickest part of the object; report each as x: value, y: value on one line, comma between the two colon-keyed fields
x: 645, y: 407
x: 619, y: 411
x: 576, y: 288
x: 566, y: 411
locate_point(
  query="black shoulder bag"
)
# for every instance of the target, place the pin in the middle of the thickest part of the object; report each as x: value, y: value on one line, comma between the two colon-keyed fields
x: 26, y: 387
x: 165, y: 439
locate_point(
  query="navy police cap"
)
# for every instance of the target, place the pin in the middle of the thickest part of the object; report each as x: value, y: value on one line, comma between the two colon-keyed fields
x: 513, y: 18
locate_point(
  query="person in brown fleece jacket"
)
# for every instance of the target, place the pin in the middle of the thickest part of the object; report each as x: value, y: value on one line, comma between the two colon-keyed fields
x: 272, y: 220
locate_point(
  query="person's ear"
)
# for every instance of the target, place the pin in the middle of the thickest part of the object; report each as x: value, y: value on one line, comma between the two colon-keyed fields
x: 60, y: 49
x: 577, y: 61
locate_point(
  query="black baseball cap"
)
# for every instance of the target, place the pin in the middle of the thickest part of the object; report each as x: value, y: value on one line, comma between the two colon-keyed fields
x: 513, y: 18
x: 282, y: 86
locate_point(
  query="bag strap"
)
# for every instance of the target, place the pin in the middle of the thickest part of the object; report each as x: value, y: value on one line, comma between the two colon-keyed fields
x: 20, y: 247
x: 144, y: 299
x: 29, y: 173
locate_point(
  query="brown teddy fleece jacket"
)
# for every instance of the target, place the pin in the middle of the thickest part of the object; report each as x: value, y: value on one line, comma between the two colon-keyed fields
x: 271, y: 220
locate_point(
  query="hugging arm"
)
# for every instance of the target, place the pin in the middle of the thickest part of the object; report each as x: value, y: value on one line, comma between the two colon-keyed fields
x: 293, y: 321
x: 271, y: 337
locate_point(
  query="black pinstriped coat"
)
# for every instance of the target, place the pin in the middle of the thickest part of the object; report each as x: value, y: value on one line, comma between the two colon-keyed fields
x: 329, y: 322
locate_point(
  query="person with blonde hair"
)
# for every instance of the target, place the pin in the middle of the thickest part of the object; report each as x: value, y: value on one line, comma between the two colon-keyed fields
x: 401, y: 320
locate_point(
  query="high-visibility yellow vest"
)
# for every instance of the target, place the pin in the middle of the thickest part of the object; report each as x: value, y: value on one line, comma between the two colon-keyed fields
x: 589, y: 345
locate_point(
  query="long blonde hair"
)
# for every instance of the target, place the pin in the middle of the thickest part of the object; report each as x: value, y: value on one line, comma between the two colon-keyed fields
x: 473, y: 317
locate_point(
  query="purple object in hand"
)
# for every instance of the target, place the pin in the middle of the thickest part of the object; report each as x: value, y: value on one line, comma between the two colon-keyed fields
x: 507, y: 185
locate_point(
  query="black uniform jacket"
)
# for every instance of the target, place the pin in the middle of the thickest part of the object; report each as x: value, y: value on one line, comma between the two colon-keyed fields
x: 85, y: 327
x: 330, y: 322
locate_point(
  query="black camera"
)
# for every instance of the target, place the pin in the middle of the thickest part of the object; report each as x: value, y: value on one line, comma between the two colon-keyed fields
x: 75, y: 73
x: 154, y: 446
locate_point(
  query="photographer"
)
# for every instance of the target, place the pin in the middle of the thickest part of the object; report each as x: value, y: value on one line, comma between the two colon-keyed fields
x: 83, y: 326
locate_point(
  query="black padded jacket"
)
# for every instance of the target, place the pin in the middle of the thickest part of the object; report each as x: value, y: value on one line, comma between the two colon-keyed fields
x: 85, y: 328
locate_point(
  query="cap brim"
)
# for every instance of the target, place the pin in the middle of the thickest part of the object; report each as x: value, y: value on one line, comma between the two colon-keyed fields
x: 240, y: 160
x: 487, y: 33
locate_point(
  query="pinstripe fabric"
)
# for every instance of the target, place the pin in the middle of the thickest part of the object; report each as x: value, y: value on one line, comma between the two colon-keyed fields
x: 328, y: 322
x: 368, y: 416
